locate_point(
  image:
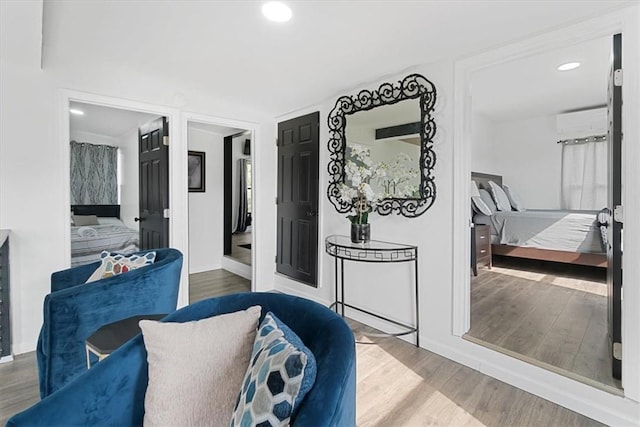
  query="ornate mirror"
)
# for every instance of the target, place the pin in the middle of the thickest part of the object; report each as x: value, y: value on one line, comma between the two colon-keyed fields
x: 386, y: 142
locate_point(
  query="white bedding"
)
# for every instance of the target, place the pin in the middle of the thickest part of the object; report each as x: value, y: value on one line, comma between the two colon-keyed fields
x: 572, y: 231
x: 111, y: 235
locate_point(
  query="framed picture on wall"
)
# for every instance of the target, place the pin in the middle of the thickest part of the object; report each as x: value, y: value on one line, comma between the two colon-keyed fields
x: 196, y: 171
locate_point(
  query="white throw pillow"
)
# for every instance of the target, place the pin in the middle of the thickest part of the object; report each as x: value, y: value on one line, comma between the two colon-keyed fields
x: 500, y: 197
x: 113, y: 263
x: 488, y: 200
x: 477, y: 203
x: 196, y: 368
x: 514, y: 199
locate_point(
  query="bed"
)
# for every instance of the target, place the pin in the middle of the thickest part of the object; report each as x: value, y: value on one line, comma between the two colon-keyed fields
x: 573, y: 237
x: 88, y: 241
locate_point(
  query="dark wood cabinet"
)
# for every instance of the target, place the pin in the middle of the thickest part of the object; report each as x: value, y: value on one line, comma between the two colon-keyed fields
x: 480, y: 247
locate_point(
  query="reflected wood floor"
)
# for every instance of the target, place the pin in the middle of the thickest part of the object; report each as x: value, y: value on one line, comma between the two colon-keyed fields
x: 545, y: 312
x: 398, y: 385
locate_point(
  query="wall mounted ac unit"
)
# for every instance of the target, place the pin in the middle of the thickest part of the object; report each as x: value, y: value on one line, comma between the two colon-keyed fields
x: 582, y: 123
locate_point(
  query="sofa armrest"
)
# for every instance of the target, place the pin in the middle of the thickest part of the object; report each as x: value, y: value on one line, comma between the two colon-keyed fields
x: 73, y: 314
x: 110, y: 393
x: 72, y: 276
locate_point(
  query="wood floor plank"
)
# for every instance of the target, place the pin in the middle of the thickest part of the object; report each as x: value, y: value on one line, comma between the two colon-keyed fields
x: 561, y: 344
x: 535, y: 324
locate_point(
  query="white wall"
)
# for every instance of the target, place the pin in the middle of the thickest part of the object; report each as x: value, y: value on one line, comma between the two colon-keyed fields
x: 525, y: 153
x: 483, y: 136
x: 206, y: 209
x: 386, y: 289
x: 32, y: 180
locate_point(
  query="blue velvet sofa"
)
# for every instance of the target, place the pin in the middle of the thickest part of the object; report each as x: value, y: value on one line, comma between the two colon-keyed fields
x: 112, y: 392
x: 75, y: 310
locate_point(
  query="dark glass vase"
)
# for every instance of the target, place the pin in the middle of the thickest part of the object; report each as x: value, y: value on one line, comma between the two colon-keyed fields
x: 360, y: 233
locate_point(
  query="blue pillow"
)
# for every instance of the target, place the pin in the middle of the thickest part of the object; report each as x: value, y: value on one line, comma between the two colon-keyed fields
x: 310, y: 369
x: 273, y: 384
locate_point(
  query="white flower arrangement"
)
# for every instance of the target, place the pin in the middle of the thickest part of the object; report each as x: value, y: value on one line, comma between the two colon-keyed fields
x: 394, y: 178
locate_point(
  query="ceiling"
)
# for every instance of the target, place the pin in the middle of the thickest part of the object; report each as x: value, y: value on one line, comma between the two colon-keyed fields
x: 107, y: 121
x: 227, y: 49
x: 114, y: 122
x: 533, y: 87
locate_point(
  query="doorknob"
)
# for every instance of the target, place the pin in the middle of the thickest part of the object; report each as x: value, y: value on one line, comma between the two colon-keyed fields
x: 312, y: 213
x: 136, y: 219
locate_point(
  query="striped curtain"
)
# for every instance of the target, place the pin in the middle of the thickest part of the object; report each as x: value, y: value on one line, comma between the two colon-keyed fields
x: 94, y: 174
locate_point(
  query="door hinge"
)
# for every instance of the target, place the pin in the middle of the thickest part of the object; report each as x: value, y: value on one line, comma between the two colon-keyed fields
x: 165, y: 140
x: 276, y: 142
x: 276, y: 200
x: 618, y: 214
x: 275, y: 259
x: 617, y: 351
x: 166, y: 213
x: 617, y: 77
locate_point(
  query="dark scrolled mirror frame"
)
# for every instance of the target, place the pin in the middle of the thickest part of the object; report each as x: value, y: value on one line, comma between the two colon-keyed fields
x: 413, y: 86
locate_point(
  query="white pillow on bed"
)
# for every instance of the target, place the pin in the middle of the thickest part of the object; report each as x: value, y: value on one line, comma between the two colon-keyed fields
x: 110, y: 221
x: 477, y: 203
x: 486, y: 198
x: 514, y: 199
x: 500, y: 197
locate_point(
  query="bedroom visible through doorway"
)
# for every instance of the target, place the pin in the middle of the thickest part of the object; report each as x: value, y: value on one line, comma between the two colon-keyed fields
x: 104, y: 180
x: 538, y: 276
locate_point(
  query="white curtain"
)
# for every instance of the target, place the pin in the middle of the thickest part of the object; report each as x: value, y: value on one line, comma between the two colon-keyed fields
x: 584, y: 176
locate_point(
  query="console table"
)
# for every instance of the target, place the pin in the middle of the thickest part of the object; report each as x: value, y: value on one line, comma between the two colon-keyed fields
x: 341, y: 248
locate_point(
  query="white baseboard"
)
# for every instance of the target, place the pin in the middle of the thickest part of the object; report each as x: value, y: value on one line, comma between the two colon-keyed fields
x: 242, y: 270
x: 203, y: 268
x: 6, y: 359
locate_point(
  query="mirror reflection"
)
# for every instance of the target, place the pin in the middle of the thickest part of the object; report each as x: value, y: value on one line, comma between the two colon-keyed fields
x: 387, y: 140
x: 381, y: 149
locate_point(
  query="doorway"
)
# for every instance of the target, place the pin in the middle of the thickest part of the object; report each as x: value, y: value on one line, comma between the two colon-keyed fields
x: 220, y: 199
x: 104, y: 180
x: 527, y: 118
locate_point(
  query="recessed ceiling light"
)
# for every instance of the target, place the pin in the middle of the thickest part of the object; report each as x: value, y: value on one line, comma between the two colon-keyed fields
x: 277, y: 11
x: 568, y: 66
x: 76, y: 111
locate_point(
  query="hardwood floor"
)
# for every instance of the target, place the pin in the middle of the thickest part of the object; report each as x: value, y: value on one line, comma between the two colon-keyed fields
x: 401, y: 385
x: 18, y: 385
x: 216, y: 283
x: 398, y: 384
x: 548, y: 314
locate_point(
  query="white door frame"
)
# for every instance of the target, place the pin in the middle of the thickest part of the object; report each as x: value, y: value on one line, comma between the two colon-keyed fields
x: 238, y: 124
x: 620, y: 21
x: 178, y: 180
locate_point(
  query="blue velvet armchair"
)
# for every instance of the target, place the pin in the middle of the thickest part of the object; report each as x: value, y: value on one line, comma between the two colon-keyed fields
x: 74, y: 310
x: 112, y: 392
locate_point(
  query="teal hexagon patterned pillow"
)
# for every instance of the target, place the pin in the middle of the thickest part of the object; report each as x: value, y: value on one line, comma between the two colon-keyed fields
x: 272, y: 381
